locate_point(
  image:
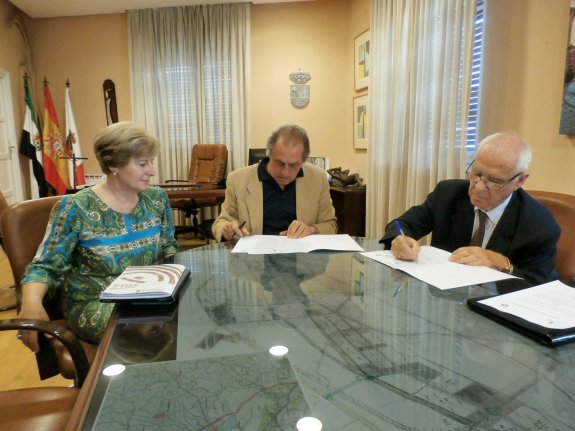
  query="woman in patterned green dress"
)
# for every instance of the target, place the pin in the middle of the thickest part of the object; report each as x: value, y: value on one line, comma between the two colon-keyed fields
x: 94, y: 235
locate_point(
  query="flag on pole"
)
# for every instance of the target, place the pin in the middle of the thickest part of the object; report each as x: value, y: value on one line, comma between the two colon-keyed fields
x: 31, y: 146
x: 75, y: 165
x: 55, y: 154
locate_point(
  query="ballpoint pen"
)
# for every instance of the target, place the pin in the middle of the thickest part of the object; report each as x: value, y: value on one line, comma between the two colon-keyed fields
x: 241, y: 225
x: 398, y: 227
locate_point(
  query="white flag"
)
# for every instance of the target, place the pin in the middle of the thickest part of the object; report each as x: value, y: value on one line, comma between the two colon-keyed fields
x: 73, y: 143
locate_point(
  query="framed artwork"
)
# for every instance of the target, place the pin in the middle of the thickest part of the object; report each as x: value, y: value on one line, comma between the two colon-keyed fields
x: 567, y: 122
x: 361, y: 61
x: 322, y: 162
x: 360, y: 122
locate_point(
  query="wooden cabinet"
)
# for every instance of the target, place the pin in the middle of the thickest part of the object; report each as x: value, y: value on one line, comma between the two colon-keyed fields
x: 349, y: 204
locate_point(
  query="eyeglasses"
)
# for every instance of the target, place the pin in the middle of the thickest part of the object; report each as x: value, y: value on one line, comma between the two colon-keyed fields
x: 489, y: 184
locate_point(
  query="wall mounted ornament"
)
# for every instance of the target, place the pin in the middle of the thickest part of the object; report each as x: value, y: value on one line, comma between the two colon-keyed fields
x: 299, y: 91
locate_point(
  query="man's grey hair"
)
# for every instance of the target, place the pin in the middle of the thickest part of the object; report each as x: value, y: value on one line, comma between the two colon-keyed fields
x: 290, y: 134
x: 525, y: 156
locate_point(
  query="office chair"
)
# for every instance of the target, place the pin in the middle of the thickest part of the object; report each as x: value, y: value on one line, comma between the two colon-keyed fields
x: 43, y: 408
x: 22, y: 226
x: 208, y: 165
x: 562, y: 206
x: 7, y: 294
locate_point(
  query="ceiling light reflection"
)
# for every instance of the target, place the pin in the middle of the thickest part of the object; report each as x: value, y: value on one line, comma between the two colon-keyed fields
x: 278, y: 350
x: 114, y: 370
x: 309, y: 424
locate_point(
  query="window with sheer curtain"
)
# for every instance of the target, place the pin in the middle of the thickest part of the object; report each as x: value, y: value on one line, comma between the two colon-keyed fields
x: 419, y: 94
x: 189, y: 79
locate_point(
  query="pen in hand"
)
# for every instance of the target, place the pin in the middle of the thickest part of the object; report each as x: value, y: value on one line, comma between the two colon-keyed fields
x: 241, y: 225
x: 399, y: 228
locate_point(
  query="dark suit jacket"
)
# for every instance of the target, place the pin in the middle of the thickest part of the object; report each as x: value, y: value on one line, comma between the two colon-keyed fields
x: 526, y: 232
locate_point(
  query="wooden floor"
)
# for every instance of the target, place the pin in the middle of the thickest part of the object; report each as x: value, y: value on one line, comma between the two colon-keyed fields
x: 18, y: 368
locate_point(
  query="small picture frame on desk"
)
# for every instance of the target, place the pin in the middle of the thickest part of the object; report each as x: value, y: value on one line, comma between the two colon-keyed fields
x: 360, y: 122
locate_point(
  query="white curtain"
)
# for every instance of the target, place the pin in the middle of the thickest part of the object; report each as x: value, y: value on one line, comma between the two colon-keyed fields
x: 190, y: 80
x: 418, y: 97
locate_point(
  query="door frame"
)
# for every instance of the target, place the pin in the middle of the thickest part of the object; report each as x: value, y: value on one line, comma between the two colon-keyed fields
x: 12, y: 192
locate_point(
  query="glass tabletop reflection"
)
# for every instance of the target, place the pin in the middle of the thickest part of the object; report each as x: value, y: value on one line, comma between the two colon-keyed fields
x: 260, y: 342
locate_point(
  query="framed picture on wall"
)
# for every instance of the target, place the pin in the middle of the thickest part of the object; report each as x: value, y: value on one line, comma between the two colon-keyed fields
x: 360, y: 122
x: 361, y: 61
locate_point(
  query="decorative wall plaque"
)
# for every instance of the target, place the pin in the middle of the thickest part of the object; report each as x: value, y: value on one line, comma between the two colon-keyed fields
x: 299, y: 92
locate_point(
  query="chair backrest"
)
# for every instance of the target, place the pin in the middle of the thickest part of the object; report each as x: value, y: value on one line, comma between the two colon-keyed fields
x: 208, y: 163
x: 23, y: 226
x: 562, y: 206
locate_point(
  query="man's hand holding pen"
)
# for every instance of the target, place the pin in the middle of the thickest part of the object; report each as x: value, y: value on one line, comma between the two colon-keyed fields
x: 404, y: 247
x: 235, y: 230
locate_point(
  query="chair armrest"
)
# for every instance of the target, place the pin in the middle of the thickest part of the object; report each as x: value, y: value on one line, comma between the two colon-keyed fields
x: 61, y: 333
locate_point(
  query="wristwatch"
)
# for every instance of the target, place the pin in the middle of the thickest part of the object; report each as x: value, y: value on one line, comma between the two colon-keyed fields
x: 509, y: 267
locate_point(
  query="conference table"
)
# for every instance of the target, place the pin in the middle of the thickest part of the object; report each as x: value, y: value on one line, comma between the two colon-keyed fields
x: 270, y: 342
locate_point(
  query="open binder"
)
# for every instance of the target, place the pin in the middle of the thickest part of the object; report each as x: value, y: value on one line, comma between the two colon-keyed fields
x: 152, y: 284
x: 548, y: 336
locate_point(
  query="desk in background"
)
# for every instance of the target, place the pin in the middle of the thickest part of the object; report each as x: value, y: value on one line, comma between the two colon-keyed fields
x: 370, y: 348
x: 349, y: 204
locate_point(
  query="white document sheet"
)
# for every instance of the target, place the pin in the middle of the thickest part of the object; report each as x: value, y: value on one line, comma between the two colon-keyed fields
x: 433, y: 267
x: 272, y: 244
x: 549, y: 305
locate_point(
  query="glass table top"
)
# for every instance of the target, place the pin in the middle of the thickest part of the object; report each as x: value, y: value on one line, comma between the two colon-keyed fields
x: 368, y: 348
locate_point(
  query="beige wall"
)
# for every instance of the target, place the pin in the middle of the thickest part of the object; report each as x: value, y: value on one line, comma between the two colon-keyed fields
x: 525, y: 47
x: 523, y: 84
x: 87, y: 50
x: 318, y: 38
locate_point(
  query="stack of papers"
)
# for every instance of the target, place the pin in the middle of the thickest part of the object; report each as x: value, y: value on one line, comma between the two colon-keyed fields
x: 543, y: 312
x: 433, y: 267
x: 274, y: 244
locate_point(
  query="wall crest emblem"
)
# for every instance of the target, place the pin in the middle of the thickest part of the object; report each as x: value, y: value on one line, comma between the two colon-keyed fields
x: 299, y: 91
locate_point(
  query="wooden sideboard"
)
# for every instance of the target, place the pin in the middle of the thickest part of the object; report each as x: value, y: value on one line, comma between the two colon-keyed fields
x: 349, y: 204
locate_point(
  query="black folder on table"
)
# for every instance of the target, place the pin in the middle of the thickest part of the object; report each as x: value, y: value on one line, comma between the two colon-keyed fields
x: 548, y: 336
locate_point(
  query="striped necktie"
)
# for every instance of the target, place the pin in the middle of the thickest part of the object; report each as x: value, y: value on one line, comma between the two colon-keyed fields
x: 477, y: 238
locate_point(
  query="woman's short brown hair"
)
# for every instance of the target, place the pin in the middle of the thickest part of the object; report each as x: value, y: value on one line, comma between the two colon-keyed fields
x: 119, y: 142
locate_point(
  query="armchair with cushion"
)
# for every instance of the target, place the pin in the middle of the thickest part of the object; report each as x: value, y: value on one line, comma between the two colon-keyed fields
x: 22, y: 226
x: 208, y: 165
x: 562, y: 206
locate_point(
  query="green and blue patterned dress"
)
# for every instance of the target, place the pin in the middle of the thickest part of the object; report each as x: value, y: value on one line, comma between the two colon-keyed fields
x: 87, y: 245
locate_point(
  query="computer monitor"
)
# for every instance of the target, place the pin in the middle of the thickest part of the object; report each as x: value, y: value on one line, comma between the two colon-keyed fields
x: 255, y: 155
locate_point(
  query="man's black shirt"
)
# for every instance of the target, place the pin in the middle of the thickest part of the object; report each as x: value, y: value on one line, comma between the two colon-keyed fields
x: 279, y: 205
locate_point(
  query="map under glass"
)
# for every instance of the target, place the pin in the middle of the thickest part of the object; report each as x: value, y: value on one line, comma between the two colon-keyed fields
x: 241, y: 392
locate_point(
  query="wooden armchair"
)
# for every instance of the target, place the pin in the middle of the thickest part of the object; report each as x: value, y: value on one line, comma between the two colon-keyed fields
x: 562, y: 206
x: 208, y: 165
x: 43, y: 408
x: 23, y: 226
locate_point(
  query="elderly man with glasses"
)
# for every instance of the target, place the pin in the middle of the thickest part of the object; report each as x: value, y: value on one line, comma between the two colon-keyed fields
x: 487, y: 220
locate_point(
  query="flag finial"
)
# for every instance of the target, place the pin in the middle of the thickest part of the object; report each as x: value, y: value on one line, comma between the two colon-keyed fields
x: 45, y: 81
x: 68, y: 82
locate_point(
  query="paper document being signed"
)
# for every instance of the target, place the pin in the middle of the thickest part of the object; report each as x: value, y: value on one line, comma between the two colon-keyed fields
x: 272, y: 244
x: 433, y: 267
